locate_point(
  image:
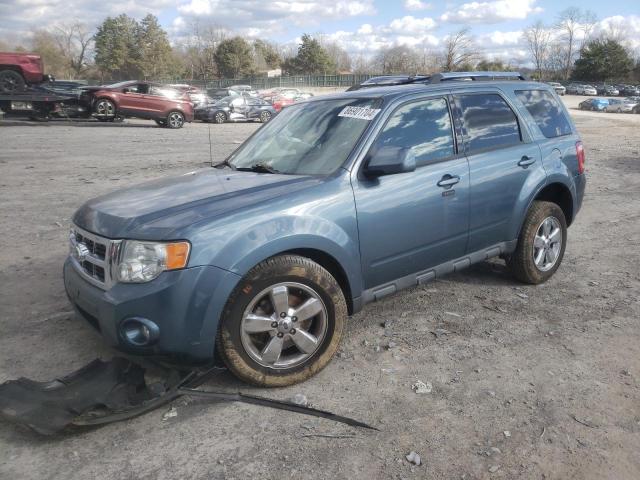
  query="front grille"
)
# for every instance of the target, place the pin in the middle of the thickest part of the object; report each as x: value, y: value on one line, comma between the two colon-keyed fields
x: 93, y: 256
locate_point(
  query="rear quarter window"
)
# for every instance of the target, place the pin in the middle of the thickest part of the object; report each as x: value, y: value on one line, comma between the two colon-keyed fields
x: 546, y: 111
x: 488, y: 121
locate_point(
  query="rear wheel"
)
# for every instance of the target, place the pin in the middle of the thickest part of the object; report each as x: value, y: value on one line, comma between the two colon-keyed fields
x: 11, y: 82
x: 219, y: 117
x: 175, y: 120
x: 541, y: 244
x: 283, y: 323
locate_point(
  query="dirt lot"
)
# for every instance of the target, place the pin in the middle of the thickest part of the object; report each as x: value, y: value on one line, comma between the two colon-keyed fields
x: 530, y: 382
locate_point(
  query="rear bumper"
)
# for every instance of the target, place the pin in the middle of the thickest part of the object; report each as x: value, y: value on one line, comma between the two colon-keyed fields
x: 185, y: 305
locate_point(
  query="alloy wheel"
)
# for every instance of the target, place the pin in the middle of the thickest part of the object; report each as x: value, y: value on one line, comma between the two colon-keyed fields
x: 220, y: 117
x: 547, y: 244
x: 175, y: 120
x: 284, y: 325
x: 105, y: 108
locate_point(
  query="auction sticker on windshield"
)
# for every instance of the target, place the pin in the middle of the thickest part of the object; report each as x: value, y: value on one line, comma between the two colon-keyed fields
x: 362, y: 113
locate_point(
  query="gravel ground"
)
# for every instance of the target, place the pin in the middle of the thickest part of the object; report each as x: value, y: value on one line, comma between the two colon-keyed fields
x: 527, y: 382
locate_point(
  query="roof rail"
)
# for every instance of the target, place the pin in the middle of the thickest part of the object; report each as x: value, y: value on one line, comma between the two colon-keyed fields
x: 448, y: 76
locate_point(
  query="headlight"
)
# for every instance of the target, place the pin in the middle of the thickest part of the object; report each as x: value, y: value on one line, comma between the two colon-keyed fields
x: 143, y: 261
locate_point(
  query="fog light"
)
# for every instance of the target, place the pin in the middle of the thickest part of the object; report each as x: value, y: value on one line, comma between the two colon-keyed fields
x: 139, y: 332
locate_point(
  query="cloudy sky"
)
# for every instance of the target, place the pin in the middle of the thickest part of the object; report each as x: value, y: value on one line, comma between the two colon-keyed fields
x: 360, y: 26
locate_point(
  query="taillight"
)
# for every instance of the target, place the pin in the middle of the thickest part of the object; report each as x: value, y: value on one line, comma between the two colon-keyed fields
x: 580, y: 156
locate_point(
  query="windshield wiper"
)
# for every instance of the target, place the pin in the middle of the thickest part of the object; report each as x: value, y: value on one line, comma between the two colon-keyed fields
x: 224, y: 163
x: 259, y: 168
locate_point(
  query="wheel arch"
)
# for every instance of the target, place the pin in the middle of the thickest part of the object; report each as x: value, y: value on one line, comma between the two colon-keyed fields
x: 556, y: 192
x: 332, y: 265
x: 559, y: 194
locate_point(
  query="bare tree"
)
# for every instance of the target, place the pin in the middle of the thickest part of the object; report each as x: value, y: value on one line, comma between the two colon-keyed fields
x: 338, y: 55
x: 74, y: 41
x: 398, y: 59
x: 574, y: 26
x: 459, y: 51
x: 537, y: 37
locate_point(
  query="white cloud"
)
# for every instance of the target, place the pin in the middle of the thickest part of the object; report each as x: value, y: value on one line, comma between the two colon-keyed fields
x: 407, y: 31
x: 491, y: 12
x: 414, y: 5
x: 622, y: 28
x: 502, y: 38
x: 411, y: 24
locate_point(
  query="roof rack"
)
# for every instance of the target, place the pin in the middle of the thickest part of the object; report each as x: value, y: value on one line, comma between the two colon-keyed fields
x: 474, y: 76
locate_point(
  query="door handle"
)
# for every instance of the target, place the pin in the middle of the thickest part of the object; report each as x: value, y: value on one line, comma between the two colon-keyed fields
x: 525, y: 161
x: 448, y: 180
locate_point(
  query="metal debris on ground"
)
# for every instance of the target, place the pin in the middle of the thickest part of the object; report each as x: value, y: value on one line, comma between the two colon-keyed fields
x: 414, y: 458
x: 172, y: 412
x: 421, y: 387
x: 300, y: 399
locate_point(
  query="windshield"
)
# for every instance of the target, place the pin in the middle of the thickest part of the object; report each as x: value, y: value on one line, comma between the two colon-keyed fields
x: 309, y: 138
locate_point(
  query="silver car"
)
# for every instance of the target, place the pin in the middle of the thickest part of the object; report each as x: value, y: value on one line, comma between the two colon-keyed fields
x: 620, y: 105
x: 586, y: 90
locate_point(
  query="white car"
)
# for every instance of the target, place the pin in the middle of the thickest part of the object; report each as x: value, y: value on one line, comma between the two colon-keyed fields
x: 560, y: 90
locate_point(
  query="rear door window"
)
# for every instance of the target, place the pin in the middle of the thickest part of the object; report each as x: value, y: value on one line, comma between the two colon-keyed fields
x: 488, y: 122
x: 424, y: 126
x: 546, y: 111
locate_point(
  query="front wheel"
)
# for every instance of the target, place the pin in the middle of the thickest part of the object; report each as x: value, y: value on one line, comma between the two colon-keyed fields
x: 105, y: 110
x: 283, y: 323
x: 219, y: 117
x: 265, y: 117
x: 541, y: 244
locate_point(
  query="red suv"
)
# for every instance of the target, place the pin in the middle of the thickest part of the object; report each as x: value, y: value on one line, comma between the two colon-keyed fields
x: 167, y: 106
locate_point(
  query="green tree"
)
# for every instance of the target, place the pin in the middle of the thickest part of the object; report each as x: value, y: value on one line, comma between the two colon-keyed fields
x: 155, y: 57
x: 234, y: 58
x: 267, y: 56
x: 601, y: 60
x: 116, y: 47
x: 311, y: 59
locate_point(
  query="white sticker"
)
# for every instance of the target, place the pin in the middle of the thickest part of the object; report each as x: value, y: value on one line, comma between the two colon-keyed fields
x: 362, y: 113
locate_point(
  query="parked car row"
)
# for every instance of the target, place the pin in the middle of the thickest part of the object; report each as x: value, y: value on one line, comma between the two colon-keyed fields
x: 614, y: 105
x: 622, y: 90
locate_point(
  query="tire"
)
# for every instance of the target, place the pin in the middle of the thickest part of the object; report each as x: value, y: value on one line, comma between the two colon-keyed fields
x: 161, y: 123
x: 265, y: 117
x: 522, y: 262
x: 11, y: 82
x: 105, y: 109
x: 242, y: 340
x: 175, y: 119
x: 219, y: 117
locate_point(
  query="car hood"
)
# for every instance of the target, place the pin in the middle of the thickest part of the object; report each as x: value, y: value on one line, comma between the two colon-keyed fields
x: 159, y: 209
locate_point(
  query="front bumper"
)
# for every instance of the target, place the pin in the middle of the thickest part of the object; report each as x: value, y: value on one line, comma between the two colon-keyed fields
x: 185, y: 304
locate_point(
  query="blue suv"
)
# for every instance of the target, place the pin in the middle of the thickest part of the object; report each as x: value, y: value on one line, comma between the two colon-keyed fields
x: 337, y: 202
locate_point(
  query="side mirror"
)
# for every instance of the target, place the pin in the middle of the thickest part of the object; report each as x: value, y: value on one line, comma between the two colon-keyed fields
x: 125, y: 90
x: 390, y: 160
